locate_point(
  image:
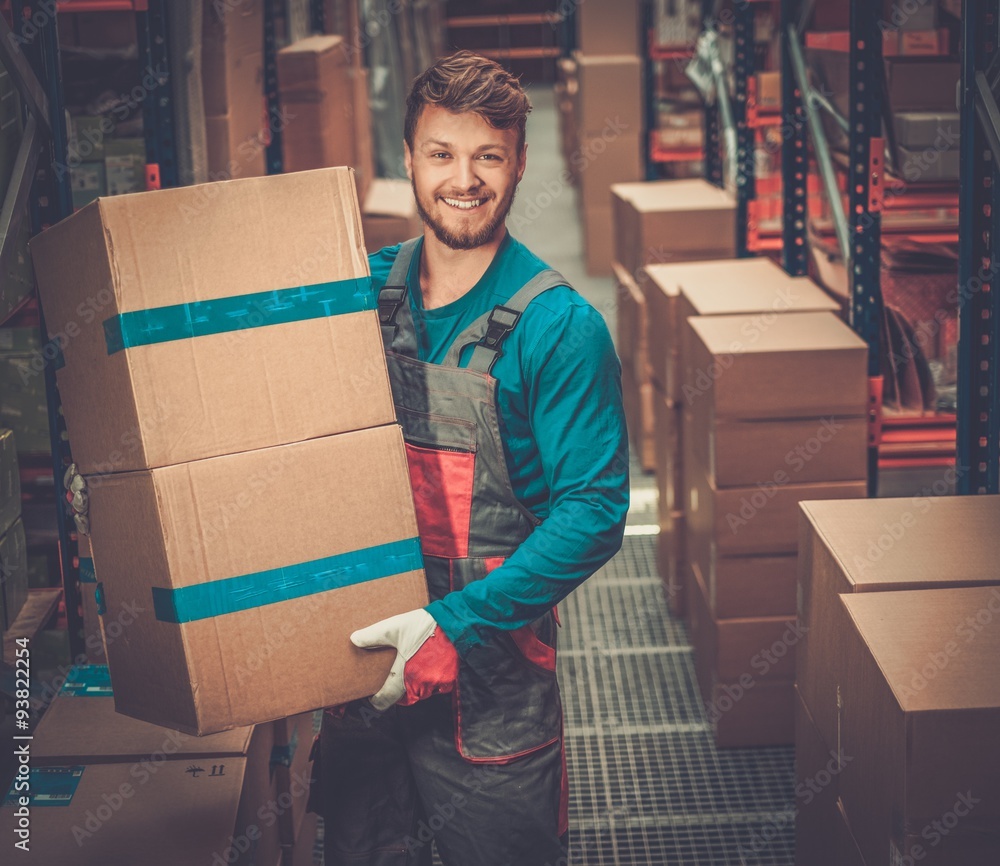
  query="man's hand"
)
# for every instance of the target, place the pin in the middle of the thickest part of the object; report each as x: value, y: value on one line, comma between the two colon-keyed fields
x: 426, y: 661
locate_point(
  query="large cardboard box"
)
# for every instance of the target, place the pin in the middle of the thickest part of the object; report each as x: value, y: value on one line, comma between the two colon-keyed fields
x: 670, y: 542
x: 237, y: 304
x: 604, y: 160
x: 631, y: 343
x: 317, y: 89
x: 881, y: 545
x: 920, y: 711
x: 389, y: 214
x: 253, y: 571
x: 10, y: 481
x: 639, y: 402
x: 922, y: 83
x: 13, y: 573
x: 669, y: 221
x: 232, y: 63
x: 608, y: 26
x: 757, y: 520
x: 793, y: 365
x: 609, y: 100
x: 817, y: 771
x: 598, y: 239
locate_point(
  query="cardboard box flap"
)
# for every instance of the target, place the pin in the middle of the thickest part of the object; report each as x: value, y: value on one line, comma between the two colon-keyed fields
x: 305, y: 65
x: 790, y: 332
x: 675, y: 195
x: 935, y: 628
x: 668, y: 278
x: 390, y: 198
x: 883, y: 543
x: 750, y: 286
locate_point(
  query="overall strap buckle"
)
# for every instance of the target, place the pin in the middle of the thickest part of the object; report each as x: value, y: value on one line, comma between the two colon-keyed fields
x: 500, y: 323
x: 390, y: 299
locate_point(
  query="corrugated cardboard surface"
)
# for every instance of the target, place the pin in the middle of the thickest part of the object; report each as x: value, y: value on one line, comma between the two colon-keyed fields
x: 161, y: 812
x: 85, y: 729
x: 877, y: 545
x: 672, y: 221
x: 605, y: 27
x: 632, y: 341
x: 817, y: 770
x: 793, y: 365
x: 242, y: 514
x: 389, y: 214
x: 761, y: 519
x: 920, y: 711
x: 807, y: 450
x: 669, y: 470
x: 232, y: 34
x: 610, y: 96
x: 10, y: 481
x: 848, y: 852
x: 182, y: 400
x: 598, y: 239
x: 604, y: 160
x: 671, y: 561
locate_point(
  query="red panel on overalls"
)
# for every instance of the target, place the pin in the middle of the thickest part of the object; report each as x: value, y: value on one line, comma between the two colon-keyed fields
x: 442, y: 494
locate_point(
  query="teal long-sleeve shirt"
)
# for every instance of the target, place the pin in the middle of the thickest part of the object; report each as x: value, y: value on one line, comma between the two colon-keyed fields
x: 559, y: 405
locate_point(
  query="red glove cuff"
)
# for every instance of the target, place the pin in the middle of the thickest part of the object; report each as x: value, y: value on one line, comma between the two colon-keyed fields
x: 433, y: 669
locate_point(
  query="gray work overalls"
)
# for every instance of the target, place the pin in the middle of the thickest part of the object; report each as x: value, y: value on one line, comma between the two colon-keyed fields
x: 481, y: 769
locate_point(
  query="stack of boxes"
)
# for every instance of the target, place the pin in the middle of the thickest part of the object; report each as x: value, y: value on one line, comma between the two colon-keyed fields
x: 325, y: 100
x: 239, y: 796
x: 608, y: 113
x: 389, y: 214
x: 13, y: 547
x: 898, y: 689
x: 229, y: 405
x: 773, y: 413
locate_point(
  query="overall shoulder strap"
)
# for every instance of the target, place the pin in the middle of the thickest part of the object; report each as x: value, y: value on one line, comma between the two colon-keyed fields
x: 490, y: 330
x: 392, y: 300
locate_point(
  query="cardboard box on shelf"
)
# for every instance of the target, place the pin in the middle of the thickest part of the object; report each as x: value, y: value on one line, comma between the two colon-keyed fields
x: 13, y: 573
x: 919, y: 129
x: 10, y: 481
x: 881, y: 545
x: 921, y: 83
x: 598, y: 239
x: 250, y: 578
x: 609, y: 101
x: 670, y: 221
x: 817, y: 770
x: 677, y: 23
x: 89, y: 182
x: 928, y: 164
x: 608, y: 27
x: 669, y: 458
x: 316, y: 85
x: 756, y: 520
x: 769, y: 90
x: 125, y: 165
x: 631, y: 342
x: 389, y: 214
x: 87, y: 136
x: 639, y: 404
x: 681, y: 130
x: 919, y: 712
x: 793, y: 365
x: 273, y: 292
x: 923, y: 43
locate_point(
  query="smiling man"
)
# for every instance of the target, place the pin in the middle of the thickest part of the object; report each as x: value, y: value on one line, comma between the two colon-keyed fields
x: 508, y: 391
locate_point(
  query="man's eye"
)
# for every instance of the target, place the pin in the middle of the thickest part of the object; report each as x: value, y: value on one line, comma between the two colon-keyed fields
x: 491, y: 156
x: 441, y: 155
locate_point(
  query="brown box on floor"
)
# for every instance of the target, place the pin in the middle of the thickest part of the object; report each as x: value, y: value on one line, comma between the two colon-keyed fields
x: 389, y: 214
x: 639, y: 404
x: 920, y: 711
x: 239, y: 603
x: 880, y: 545
x: 232, y: 58
x: 669, y: 221
x: 669, y: 484
x: 609, y: 99
x: 632, y: 328
x: 750, y: 710
x: 317, y: 90
x: 801, y: 365
x: 598, y: 239
x: 601, y: 161
x: 167, y: 363
x: 608, y: 27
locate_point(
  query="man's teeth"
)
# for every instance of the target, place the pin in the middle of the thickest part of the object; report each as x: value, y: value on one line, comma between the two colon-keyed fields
x: 463, y: 204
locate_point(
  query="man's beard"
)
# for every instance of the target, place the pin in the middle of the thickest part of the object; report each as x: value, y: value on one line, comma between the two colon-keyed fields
x: 466, y: 240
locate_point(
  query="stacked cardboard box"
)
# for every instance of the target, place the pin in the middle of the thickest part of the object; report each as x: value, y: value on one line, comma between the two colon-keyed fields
x: 215, y: 474
x: 903, y: 560
x: 566, y: 87
x: 389, y: 214
x: 119, y: 780
x: 325, y: 98
x: 609, y: 118
x: 773, y: 413
x: 672, y: 293
x: 232, y: 63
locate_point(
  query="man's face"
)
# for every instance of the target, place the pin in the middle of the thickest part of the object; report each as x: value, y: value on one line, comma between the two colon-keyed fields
x: 464, y: 174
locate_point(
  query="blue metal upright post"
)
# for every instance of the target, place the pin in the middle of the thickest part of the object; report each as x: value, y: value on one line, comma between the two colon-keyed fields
x: 275, y: 159
x: 794, y: 155
x: 713, y: 131
x: 865, y: 180
x: 746, y: 187
x: 649, y: 81
x: 978, y: 442
x: 157, y: 107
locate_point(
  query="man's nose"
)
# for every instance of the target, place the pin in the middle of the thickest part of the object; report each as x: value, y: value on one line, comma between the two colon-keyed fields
x: 466, y: 177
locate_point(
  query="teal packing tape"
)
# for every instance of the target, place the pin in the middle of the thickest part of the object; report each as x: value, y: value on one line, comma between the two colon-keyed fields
x: 87, y: 573
x: 231, y: 594
x: 88, y: 681
x: 221, y: 315
x: 47, y: 786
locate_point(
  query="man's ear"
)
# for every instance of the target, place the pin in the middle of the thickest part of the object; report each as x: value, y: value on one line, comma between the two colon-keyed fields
x: 408, y: 160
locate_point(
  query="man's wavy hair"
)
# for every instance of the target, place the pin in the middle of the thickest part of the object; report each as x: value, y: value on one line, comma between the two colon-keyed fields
x: 465, y: 81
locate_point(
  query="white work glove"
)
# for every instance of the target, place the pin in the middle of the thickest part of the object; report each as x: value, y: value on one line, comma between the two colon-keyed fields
x: 426, y: 661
